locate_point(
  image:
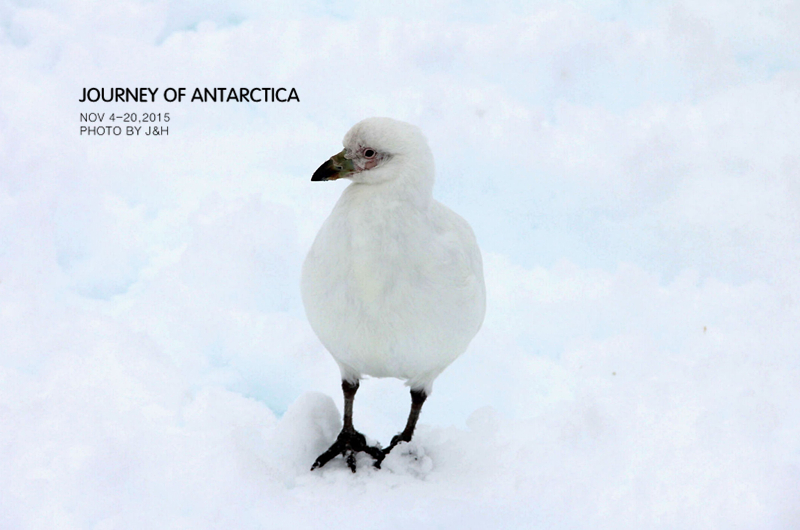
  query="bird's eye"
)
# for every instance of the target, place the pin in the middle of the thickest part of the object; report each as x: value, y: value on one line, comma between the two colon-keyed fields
x: 369, y: 153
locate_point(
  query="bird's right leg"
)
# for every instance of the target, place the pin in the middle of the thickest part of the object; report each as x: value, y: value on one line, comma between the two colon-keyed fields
x: 350, y: 441
x: 418, y: 397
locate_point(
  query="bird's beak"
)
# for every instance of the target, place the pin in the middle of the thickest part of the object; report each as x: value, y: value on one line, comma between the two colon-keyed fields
x: 334, y: 168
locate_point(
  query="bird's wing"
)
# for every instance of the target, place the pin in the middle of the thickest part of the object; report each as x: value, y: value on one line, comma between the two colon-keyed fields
x: 459, y: 267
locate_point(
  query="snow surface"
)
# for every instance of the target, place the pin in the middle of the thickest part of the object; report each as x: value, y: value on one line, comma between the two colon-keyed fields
x: 632, y: 175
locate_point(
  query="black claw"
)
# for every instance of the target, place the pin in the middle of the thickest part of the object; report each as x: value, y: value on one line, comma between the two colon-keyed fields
x: 347, y: 444
x: 326, y: 457
x: 402, y: 437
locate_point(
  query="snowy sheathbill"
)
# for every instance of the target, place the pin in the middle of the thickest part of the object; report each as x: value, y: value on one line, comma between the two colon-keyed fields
x: 393, y: 283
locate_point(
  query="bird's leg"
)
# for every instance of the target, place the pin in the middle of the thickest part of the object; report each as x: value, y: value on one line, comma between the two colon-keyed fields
x: 350, y: 441
x: 349, y: 391
x: 417, y: 399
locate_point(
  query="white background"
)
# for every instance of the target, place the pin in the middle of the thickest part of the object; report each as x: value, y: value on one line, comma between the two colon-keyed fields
x: 632, y: 173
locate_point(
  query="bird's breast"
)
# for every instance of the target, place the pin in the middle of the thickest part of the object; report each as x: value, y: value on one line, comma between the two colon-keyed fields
x: 368, y: 284
x: 375, y: 260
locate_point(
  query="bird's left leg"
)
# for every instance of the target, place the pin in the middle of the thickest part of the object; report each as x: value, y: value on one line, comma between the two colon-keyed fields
x: 350, y: 441
x: 418, y: 397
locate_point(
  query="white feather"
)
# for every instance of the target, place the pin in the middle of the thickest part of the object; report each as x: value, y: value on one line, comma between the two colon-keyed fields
x: 393, y: 284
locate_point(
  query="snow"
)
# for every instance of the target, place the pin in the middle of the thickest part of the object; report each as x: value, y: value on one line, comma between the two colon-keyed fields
x: 632, y: 177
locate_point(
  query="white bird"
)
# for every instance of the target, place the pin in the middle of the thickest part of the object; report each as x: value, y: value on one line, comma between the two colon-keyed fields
x: 393, y: 284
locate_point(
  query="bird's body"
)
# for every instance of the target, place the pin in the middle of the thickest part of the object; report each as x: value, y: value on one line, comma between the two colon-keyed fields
x: 393, y: 283
x: 393, y: 289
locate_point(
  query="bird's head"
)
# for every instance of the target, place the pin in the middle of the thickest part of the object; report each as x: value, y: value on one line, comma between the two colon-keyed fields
x: 380, y: 150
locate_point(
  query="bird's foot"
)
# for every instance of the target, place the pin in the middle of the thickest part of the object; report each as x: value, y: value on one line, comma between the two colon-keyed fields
x: 347, y: 444
x: 401, y: 437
